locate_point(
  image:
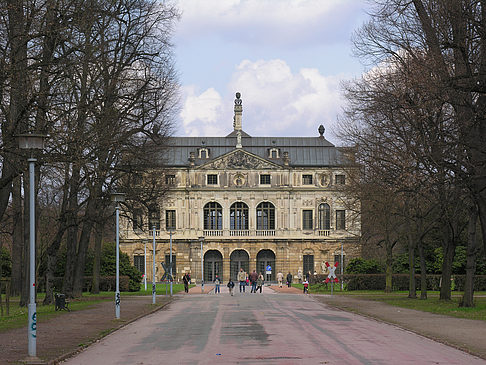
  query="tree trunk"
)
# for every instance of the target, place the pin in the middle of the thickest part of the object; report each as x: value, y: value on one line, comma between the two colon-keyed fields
x: 412, y: 290
x: 95, y: 287
x: 17, y: 238
x: 449, y: 252
x: 389, y: 267
x: 423, y: 271
x: 471, y: 252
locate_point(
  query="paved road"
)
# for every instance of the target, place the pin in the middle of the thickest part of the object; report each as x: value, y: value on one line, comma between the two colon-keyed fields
x: 268, y: 328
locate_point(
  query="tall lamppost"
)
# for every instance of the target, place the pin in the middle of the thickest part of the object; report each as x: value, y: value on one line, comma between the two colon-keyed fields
x: 153, y: 222
x: 201, y: 240
x: 145, y: 264
x: 117, y: 198
x: 170, y: 260
x: 32, y: 142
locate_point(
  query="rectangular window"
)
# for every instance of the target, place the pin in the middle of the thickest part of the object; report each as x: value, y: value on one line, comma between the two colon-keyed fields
x: 307, y: 179
x: 138, y: 262
x: 170, y: 219
x: 170, y: 179
x: 154, y: 217
x: 264, y: 179
x: 308, y: 264
x: 340, y: 219
x: 212, y: 179
x: 307, y: 219
x: 137, y: 219
x: 337, y: 258
x: 340, y: 179
x: 167, y: 264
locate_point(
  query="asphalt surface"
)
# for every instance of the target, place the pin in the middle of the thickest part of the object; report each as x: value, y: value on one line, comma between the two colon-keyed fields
x: 267, y: 328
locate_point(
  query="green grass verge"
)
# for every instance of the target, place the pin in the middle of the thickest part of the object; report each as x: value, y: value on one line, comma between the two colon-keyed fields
x: 18, y: 315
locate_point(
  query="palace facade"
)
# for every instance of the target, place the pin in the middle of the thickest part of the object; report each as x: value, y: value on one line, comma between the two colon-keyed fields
x: 248, y: 202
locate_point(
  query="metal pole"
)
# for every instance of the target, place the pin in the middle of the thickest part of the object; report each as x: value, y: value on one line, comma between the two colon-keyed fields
x: 202, y: 269
x: 342, y: 268
x: 32, y: 329
x: 145, y: 265
x: 170, y: 261
x: 117, y: 292
x: 153, y: 266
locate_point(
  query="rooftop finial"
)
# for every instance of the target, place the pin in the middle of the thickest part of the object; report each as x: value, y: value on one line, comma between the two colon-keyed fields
x: 238, y: 112
x: 321, y: 131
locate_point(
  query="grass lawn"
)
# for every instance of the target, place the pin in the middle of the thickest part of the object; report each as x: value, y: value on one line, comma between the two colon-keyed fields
x: 400, y: 299
x: 18, y: 315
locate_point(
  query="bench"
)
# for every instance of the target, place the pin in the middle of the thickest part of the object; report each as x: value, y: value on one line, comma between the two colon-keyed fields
x: 61, y: 302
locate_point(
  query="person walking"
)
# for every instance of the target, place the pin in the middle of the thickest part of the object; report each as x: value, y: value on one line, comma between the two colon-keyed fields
x: 230, y: 286
x: 279, y: 279
x: 306, y: 286
x: 259, y: 283
x: 253, y: 281
x: 186, y: 279
x: 242, y: 280
x: 217, y: 282
x: 289, y: 279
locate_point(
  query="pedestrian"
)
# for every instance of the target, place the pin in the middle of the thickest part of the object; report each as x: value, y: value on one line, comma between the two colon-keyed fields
x: 299, y: 276
x: 186, y: 279
x: 217, y: 282
x: 230, y: 286
x: 289, y: 279
x: 306, y: 286
x: 308, y: 275
x: 242, y: 280
x: 260, y: 282
x: 279, y: 279
x: 253, y: 280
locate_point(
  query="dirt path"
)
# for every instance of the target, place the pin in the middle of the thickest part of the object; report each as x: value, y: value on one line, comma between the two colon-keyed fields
x: 72, y: 331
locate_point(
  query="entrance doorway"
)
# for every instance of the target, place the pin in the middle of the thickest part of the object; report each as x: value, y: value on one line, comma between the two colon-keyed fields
x: 265, y: 258
x: 213, y: 265
x: 239, y: 259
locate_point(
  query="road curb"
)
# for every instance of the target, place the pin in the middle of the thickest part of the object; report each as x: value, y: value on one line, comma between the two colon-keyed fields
x: 69, y: 354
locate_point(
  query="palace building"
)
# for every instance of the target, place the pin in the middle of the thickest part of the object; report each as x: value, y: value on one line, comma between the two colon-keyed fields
x: 248, y: 202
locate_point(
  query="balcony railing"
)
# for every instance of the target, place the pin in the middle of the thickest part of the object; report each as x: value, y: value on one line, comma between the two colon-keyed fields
x: 265, y: 232
x: 213, y: 233
x: 239, y: 233
x: 324, y: 232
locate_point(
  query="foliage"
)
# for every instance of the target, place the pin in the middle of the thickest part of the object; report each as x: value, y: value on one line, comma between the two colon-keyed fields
x: 5, y: 262
x: 108, y: 266
x: 363, y: 266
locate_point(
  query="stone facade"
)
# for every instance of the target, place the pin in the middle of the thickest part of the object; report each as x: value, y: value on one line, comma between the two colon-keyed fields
x: 251, y: 202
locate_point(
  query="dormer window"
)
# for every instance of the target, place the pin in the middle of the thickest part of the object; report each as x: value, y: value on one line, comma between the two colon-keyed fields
x: 203, y: 153
x: 273, y: 153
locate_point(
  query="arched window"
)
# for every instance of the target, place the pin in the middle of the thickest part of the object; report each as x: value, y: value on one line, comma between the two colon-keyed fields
x: 265, y: 213
x: 239, y: 216
x: 213, y: 216
x: 324, y: 217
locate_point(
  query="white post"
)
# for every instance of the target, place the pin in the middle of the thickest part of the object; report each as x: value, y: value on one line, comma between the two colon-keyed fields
x: 342, y: 268
x: 201, y: 239
x: 32, y: 329
x: 153, y: 267
x: 117, y: 292
x: 170, y: 261
x: 145, y: 265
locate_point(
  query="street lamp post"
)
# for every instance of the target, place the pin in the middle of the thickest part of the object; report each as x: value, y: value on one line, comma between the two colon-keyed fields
x: 117, y: 198
x: 153, y: 223
x: 32, y: 142
x: 201, y: 240
x: 170, y: 261
x: 145, y: 264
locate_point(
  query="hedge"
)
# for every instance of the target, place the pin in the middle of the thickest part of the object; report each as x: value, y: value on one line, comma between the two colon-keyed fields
x: 399, y: 281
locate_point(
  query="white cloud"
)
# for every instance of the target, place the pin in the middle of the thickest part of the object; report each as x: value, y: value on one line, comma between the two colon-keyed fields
x: 267, y: 21
x: 201, y: 113
x: 276, y: 101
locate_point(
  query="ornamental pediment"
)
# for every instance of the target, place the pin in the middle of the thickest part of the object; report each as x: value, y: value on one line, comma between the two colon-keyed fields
x: 240, y: 159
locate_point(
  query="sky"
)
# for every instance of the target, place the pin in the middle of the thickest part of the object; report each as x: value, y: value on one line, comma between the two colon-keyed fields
x: 287, y: 58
